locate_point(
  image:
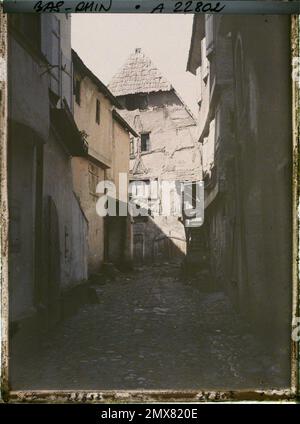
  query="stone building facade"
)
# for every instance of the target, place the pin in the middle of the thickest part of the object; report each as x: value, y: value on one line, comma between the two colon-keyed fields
x: 165, y: 150
x: 48, y: 228
x: 108, y: 141
x: 244, y: 130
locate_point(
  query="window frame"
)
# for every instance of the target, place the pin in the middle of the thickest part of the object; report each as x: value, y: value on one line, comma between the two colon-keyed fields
x: 131, y: 147
x: 147, y: 142
x: 98, y: 109
x: 94, y: 178
x: 77, y: 90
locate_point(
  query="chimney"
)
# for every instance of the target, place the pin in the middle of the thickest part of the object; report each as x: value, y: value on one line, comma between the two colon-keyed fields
x: 138, y: 50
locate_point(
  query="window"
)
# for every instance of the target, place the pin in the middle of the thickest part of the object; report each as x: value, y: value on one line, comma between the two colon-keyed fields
x: 67, y: 79
x: 191, y: 194
x: 131, y: 151
x: 145, y: 142
x: 77, y: 85
x: 209, y: 33
x: 51, y: 48
x: 194, y: 195
x: 142, y: 188
x: 93, y: 178
x: 98, y: 111
x: 204, y: 62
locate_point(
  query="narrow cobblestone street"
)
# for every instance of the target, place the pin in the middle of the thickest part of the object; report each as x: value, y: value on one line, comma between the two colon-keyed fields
x: 150, y: 330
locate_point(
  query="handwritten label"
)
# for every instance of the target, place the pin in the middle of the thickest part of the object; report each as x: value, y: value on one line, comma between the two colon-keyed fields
x: 106, y: 6
x: 153, y: 6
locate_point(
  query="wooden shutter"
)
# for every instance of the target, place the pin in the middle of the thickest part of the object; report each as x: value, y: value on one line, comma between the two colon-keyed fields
x: 209, y: 34
x: 51, y: 49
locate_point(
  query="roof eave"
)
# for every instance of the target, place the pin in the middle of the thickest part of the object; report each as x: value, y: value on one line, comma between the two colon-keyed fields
x: 63, y: 121
x: 101, y: 86
x: 123, y: 122
x: 198, y: 32
x: 134, y: 93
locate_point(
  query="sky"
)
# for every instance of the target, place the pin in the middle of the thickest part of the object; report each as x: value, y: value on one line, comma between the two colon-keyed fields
x: 104, y: 42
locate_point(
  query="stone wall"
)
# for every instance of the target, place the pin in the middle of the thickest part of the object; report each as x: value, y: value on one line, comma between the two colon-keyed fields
x: 72, y: 223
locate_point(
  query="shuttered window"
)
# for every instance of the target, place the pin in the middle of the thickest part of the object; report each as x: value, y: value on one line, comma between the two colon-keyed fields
x: 209, y: 33
x: 94, y: 178
x: 67, y: 80
x: 204, y: 62
x: 51, y: 48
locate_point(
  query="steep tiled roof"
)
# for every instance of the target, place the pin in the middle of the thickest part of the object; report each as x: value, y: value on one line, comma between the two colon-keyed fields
x: 138, y: 75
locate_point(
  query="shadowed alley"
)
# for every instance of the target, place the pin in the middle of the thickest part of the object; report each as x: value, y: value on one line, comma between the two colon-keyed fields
x: 150, y: 330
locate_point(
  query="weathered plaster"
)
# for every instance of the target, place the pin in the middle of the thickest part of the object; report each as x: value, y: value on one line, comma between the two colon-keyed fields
x: 108, y: 150
x: 29, y: 88
x: 99, y: 139
x: 99, y: 136
x: 73, y: 226
x: 174, y: 155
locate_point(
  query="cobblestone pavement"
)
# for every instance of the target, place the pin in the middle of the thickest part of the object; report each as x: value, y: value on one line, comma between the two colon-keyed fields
x: 150, y: 330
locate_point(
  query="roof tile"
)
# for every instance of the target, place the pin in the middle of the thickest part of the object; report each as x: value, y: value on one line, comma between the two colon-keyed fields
x: 138, y: 75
